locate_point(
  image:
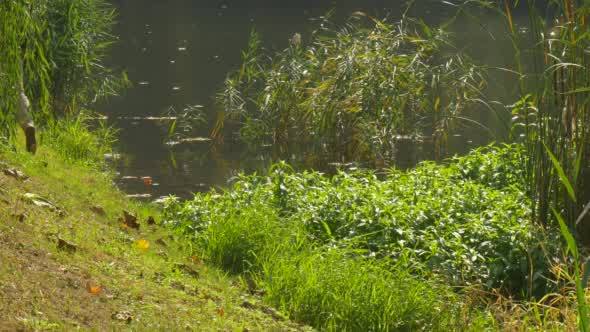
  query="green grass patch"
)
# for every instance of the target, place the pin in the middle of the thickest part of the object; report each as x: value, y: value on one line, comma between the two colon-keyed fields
x: 147, y: 278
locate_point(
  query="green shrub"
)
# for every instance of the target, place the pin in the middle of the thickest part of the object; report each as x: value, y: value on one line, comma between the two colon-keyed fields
x: 235, y: 241
x: 467, y: 220
x: 328, y: 288
x: 358, y: 252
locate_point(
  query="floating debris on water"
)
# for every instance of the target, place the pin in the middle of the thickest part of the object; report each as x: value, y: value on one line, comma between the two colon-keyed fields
x: 411, y: 138
x: 147, y: 181
x: 188, y: 141
x: 140, y: 196
x: 162, y: 200
x: 112, y: 156
x: 99, y: 117
x: 148, y: 118
x: 182, y: 49
x: 143, y: 83
x: 176, y: 88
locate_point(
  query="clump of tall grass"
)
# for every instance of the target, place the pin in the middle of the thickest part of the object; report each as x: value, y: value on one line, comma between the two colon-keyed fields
x: 352, y: 92
x: 76, y: 138
x: 333, y: 290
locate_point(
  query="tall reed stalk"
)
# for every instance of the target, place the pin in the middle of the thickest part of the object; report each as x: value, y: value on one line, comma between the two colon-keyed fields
x: 553, y: 121
x: 553, y: 114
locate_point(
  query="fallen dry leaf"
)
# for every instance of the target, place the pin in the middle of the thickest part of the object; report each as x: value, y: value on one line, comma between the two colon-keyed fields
x: 123, y: 316
x: 196, y: 260
x: 13, y: 172
x: 93, y: 288
x: 220, y: 312
x: 66, y: 246
x: 161, y: 242
x: 151, y: 221
x: 143, y: 244
x: 98, y: 210
x: 188, y: 270
x: 130, y: 220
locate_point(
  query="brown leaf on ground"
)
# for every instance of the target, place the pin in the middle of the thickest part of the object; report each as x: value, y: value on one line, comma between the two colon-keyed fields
x: 98, y: 210
x: 66, y: 246
x: 21, y: 217
x: 220, y: 312
x: 248, y: 305
x: 151, y: 221
x: 13, y: 172
x: 196, y: 260
x: 93, y: 288
x: 188, y: 270
x: 130, y: 220
x: 273, y: 313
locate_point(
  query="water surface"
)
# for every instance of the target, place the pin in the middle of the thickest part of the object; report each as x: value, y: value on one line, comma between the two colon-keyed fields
x: 178, y: 53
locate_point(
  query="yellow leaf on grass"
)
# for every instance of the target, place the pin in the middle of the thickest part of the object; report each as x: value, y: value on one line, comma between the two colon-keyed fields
x: 143, y: 244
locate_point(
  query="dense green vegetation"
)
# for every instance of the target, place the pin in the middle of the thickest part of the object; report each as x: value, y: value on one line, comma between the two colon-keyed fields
x: 552, y: 116
x: 358, y: 250
x: 61, y: 44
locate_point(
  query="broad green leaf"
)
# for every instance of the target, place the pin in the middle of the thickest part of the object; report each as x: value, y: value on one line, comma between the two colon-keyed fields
x: 562, y: 177
x: 569, y: 238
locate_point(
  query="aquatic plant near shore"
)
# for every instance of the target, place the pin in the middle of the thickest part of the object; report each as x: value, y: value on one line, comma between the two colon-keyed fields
x: 352, y: 91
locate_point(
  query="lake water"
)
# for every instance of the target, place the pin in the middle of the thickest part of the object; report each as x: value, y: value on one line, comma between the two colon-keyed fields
x: 178, y: 53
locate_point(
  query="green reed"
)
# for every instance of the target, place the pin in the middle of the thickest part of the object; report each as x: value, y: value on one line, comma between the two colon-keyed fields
x: 553, y: 117
x: 353, y: 91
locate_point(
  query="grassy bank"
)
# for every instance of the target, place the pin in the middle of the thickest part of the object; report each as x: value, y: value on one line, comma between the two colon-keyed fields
x: 69, y: 261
